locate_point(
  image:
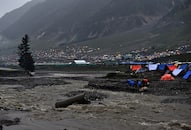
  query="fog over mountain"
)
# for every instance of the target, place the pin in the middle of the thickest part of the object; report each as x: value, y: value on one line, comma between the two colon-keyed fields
x: 9, y: 5
x: 54, y: 23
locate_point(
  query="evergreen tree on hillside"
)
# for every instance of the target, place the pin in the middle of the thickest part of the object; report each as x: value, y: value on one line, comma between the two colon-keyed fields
x: 25, y: 57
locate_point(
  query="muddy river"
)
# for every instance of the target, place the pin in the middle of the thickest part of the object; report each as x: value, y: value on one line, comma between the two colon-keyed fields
x: 28, y: 103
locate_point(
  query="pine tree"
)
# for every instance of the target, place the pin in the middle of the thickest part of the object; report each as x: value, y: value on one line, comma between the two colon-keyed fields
x: 25, y: 57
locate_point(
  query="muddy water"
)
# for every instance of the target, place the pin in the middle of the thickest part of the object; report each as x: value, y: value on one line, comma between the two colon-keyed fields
x: 120, y: 111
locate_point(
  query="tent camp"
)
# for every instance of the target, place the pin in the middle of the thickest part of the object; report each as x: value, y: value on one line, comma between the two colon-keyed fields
x: 162, y: 67
x: 171, y: 67
x: 183, y: 66
x: 167, y: 77
x: 152, y: 67
x: 187, y: 75
x: 135, y: 67
x: 176, y: 72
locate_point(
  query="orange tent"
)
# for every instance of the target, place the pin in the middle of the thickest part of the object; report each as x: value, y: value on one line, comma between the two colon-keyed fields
x: 172, y: 67
x: 167, y: 77
x: 135, y: 67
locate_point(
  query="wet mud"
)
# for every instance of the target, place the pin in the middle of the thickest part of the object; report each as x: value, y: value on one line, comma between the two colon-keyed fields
x: 28, y: 103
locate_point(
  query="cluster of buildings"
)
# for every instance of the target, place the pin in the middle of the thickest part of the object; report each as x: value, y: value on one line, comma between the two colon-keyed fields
x: 63, y: 55
x: 147, y: 54
x: 69, y: 54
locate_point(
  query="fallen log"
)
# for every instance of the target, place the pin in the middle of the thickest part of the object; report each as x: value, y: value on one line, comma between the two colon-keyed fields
x: 8, y: 122
x: 79, y: 99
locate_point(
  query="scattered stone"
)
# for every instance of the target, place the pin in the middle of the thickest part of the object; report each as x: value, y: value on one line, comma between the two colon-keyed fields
x: 185, y: 126
x: 4, y: 109
x: 132, y: 108
x: 6, y: 122
x: 174, y: 123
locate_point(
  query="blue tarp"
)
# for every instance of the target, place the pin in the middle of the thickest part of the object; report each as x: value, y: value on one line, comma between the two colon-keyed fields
x: 131, y: 82
x: 170, y: 64
x: 184, y: 66
x: 124, y: 63
x: 161, y: 67
x: 139, y: 84
x: 187, y: 75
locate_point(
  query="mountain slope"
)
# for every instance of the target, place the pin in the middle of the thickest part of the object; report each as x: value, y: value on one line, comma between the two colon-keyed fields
x: 123, y: 15
x: 13, y: 16
x: 53, y: 17
x: 172, y: 30
x: 54, y: 23
x: 175, y: 26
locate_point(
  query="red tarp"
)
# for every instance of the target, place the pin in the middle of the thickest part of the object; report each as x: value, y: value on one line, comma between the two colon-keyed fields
x: 167, y: 77
x: 135, y: 67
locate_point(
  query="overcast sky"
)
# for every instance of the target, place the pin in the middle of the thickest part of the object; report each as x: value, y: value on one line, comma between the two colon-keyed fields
x: 8, y: 5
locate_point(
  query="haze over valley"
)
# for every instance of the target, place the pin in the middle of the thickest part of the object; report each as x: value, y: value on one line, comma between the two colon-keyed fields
x: 105, y: 27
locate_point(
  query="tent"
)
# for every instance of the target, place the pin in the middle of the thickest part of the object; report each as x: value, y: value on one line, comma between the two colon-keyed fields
x: 80, y: 62
x: 153, y: 66
x: 161, y: 67
x: 183, y: 66
x: 187, y: 75
x: 171, y: 67
x: 176, y: 72
x: 135, y: 67
x: 167, y: 77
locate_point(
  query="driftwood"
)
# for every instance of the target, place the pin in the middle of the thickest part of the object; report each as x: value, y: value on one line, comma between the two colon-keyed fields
x: 79, y: 99
x: 7, y: 122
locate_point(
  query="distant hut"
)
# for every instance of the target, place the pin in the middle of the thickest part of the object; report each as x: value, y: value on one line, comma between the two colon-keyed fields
x: 80, y: 62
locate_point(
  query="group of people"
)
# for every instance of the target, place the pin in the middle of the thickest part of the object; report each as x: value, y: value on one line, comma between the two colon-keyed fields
x: 142, y: 85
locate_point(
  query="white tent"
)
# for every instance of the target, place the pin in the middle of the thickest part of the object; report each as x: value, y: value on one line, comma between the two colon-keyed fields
x: 176, y: 72
x: 80, y: 62
x: 152, y: 66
